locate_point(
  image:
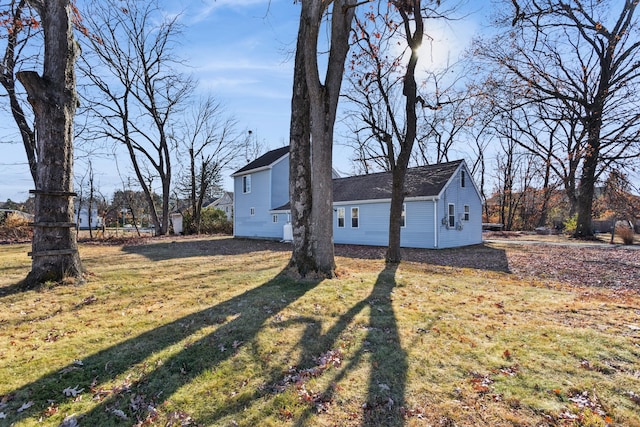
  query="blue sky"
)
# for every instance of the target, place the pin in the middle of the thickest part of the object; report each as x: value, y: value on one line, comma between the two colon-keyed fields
x: 241, y: 51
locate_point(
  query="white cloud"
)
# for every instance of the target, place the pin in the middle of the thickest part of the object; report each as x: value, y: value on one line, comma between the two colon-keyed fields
x: 209, y: 7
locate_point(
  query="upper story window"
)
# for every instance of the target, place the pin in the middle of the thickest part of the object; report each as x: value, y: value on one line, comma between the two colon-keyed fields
x: 355, y: 217
x: 462, y: 178
x: 341, y: 214
x: 246, y: 184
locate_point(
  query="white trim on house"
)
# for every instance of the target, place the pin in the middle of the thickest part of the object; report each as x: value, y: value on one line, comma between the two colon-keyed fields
x: 249, y: 172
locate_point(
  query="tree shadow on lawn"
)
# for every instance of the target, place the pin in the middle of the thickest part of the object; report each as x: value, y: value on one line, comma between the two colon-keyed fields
x: 321, y: 354
x: 239, y: 319
x: 480, y: 257
x: 13, y: 289
x: 166, y: 249
x: 385, y: 402
x: 477, y: 256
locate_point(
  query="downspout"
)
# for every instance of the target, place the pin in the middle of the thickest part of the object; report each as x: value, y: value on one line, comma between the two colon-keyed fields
x: 233, y: 207
x: 435, y: 223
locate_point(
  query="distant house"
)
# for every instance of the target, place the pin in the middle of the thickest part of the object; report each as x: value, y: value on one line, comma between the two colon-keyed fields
x: 224, y: 203
x: 442, y: 206
x: 84, y: 221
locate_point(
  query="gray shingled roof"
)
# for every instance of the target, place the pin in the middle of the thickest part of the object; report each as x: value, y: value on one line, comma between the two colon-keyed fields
x: 424, y: 181
x: 264, y: 160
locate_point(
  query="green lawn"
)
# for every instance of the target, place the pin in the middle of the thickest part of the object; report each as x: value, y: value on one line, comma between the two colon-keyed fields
x: 211, y: 332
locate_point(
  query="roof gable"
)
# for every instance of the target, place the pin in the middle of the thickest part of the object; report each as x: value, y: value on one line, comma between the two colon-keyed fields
x: 263, y: 161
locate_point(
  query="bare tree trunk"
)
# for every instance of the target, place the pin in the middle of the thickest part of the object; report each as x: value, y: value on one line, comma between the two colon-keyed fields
x: 54, y: 99
x: 91, y: 200
x: 588, y: 178
x: 323, y: 106
x: 410, y: 91
x: 195, y: 214
x: 302, y: 260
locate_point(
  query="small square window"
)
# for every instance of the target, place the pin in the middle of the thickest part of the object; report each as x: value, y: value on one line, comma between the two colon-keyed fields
x: 274, y: 218
x: 252, y: 211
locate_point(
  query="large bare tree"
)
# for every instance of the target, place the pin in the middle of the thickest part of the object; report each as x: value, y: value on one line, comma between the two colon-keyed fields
x: 212, y: 144
x: 380, y: 80
x: 413, y: 23
x: 323, y: 98
x: 583, y: 55
x: 53, y: 98
x: 137, y: 89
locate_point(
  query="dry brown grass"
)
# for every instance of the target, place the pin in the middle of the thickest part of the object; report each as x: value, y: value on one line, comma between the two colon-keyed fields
x: 207, y: 331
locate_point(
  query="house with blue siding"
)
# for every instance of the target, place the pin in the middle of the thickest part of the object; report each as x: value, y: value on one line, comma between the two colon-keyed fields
x: 442, y: 206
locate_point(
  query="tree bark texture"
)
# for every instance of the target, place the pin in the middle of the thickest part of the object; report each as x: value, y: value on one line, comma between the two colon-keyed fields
x: 302, y: 260
x: 323, y: 98
x: 54, y: 99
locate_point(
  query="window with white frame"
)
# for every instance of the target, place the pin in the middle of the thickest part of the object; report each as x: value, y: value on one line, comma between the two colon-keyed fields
x: 341, y: 215
x: 466, y: 213
x: 252, y: 211
x: 355, y: 217
x: 452, y: 215
x: 246, y: 184
x: 274, y: 218
x: 403, y: 215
